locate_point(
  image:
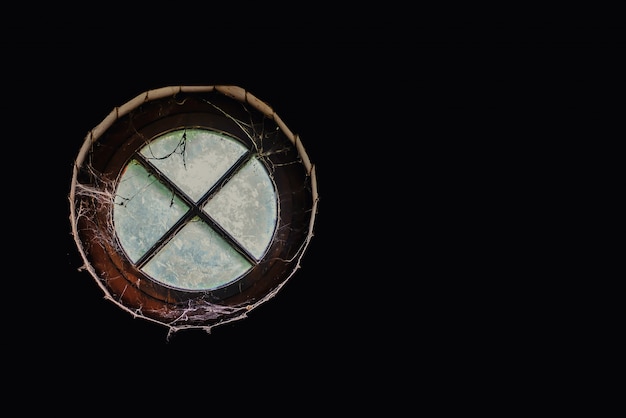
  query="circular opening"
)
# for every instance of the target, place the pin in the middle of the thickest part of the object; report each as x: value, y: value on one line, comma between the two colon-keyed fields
x: 190, y: 206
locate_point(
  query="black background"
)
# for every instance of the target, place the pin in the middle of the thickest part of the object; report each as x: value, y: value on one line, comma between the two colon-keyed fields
x: 428, y: 146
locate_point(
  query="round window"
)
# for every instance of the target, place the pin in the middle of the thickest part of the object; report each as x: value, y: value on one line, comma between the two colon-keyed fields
x: 192, y: 205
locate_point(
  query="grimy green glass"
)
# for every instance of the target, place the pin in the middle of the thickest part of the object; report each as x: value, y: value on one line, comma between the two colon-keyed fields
x: 196, y: 161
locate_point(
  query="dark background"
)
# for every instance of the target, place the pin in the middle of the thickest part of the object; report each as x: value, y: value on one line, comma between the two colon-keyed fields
x: 435, y: 152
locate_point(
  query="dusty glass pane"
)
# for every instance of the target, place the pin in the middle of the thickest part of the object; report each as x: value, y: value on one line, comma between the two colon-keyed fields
x: 197, y: 259
x: 246, y: 208
x: 194, y: 159
x: 144, y: 210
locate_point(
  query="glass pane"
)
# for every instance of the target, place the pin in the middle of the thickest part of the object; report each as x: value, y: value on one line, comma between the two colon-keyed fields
x: 246, y: 208
x: 197, y: 259
x: 194, y: 159
x: 144, y: 210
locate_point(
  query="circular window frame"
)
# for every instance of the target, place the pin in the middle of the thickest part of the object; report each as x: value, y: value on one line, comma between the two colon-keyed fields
x: 110, y: 146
